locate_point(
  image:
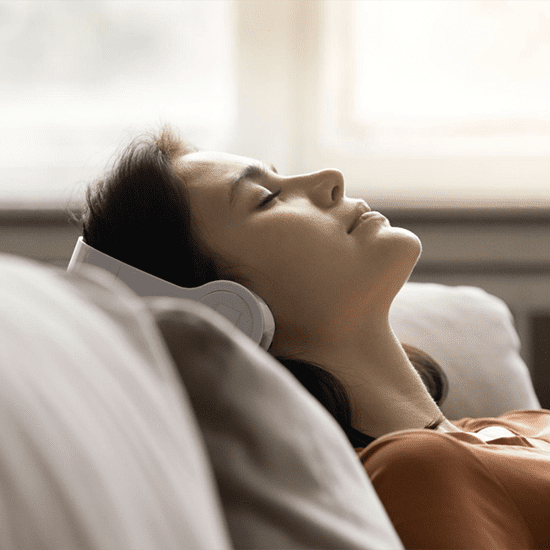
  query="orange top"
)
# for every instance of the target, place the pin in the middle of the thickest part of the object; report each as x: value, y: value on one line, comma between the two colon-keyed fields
x: 453, y: 490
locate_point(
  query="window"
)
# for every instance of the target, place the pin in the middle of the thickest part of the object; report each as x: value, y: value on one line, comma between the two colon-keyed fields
x: 438, y: 103
x: 79, y: 76
x: 467, y: 77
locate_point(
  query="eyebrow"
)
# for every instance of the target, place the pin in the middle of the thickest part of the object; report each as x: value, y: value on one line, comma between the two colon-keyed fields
x: 251, y: 171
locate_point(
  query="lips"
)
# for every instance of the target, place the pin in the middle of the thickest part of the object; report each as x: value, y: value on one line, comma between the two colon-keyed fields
x: 362, y: 210
x: 364, y: 216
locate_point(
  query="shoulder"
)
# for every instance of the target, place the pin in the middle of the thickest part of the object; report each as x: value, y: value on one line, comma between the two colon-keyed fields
x: 408, y: 445
x: 415, y: 453
x: 439, y: 494
x: 425, y: 471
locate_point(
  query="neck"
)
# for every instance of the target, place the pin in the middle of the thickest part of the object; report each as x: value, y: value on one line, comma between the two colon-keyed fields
x: 385, y: 391
x: 388, y: 394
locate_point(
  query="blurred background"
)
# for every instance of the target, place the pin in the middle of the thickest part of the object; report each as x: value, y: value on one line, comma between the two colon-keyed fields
x: 436, y: 111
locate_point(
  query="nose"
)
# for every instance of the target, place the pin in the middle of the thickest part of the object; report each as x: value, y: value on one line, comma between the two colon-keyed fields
x: 324, y: 187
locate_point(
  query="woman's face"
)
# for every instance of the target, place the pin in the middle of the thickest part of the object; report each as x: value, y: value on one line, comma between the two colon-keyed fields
x: 297, y: 251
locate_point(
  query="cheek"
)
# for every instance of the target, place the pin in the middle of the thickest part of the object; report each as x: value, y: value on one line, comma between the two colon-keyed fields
x: 291, y: 251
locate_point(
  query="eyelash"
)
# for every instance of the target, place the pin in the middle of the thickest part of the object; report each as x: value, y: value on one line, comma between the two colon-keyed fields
x: 269, y: 198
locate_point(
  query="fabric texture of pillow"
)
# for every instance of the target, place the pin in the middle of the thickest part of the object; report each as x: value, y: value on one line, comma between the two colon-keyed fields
x: 287, y: 475
x: 100, y: 447
x: 471, y: 334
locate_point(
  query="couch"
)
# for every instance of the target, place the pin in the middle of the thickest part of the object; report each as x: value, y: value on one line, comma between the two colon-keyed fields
x: 130, y: 423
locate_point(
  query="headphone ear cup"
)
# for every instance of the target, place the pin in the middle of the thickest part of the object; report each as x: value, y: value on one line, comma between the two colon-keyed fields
x: 232, y: 306
x: 243, y: 308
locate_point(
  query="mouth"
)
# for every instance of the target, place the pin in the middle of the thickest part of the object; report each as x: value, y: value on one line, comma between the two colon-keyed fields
x: 363, y: 217
x: 362, y: 209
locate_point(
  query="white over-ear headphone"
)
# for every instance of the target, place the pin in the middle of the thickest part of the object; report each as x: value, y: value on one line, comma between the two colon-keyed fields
x: 242, y: 307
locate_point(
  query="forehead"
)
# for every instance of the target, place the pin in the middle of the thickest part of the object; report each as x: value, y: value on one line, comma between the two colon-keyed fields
x: 207, y: 175
x: 211, y: 165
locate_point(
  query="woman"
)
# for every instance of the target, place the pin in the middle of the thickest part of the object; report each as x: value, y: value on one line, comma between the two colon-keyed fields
x: 329, y: 268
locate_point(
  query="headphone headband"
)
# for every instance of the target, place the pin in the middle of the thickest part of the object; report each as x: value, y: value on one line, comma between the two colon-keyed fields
x: 242, y: 307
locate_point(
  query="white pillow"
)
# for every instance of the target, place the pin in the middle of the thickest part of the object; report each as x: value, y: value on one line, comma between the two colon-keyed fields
x: 100, y: 448
x: 287, y: 474
x: 470, y: 333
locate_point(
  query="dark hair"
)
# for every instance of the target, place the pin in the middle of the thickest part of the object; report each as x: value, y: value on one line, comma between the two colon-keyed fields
x: 140, y: 209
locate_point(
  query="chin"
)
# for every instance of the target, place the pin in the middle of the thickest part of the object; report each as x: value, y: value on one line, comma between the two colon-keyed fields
x: 401, y: 250
x: 412, y: 245
x: 414, y: 242
x: 404, y: 244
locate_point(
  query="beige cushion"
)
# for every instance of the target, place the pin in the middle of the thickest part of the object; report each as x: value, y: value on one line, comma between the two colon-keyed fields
x: 471, y: 334
x: 100, y: 448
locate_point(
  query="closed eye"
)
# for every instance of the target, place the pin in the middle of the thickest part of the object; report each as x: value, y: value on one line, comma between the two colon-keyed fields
x: 269, y: 198
x: 252, y: 172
